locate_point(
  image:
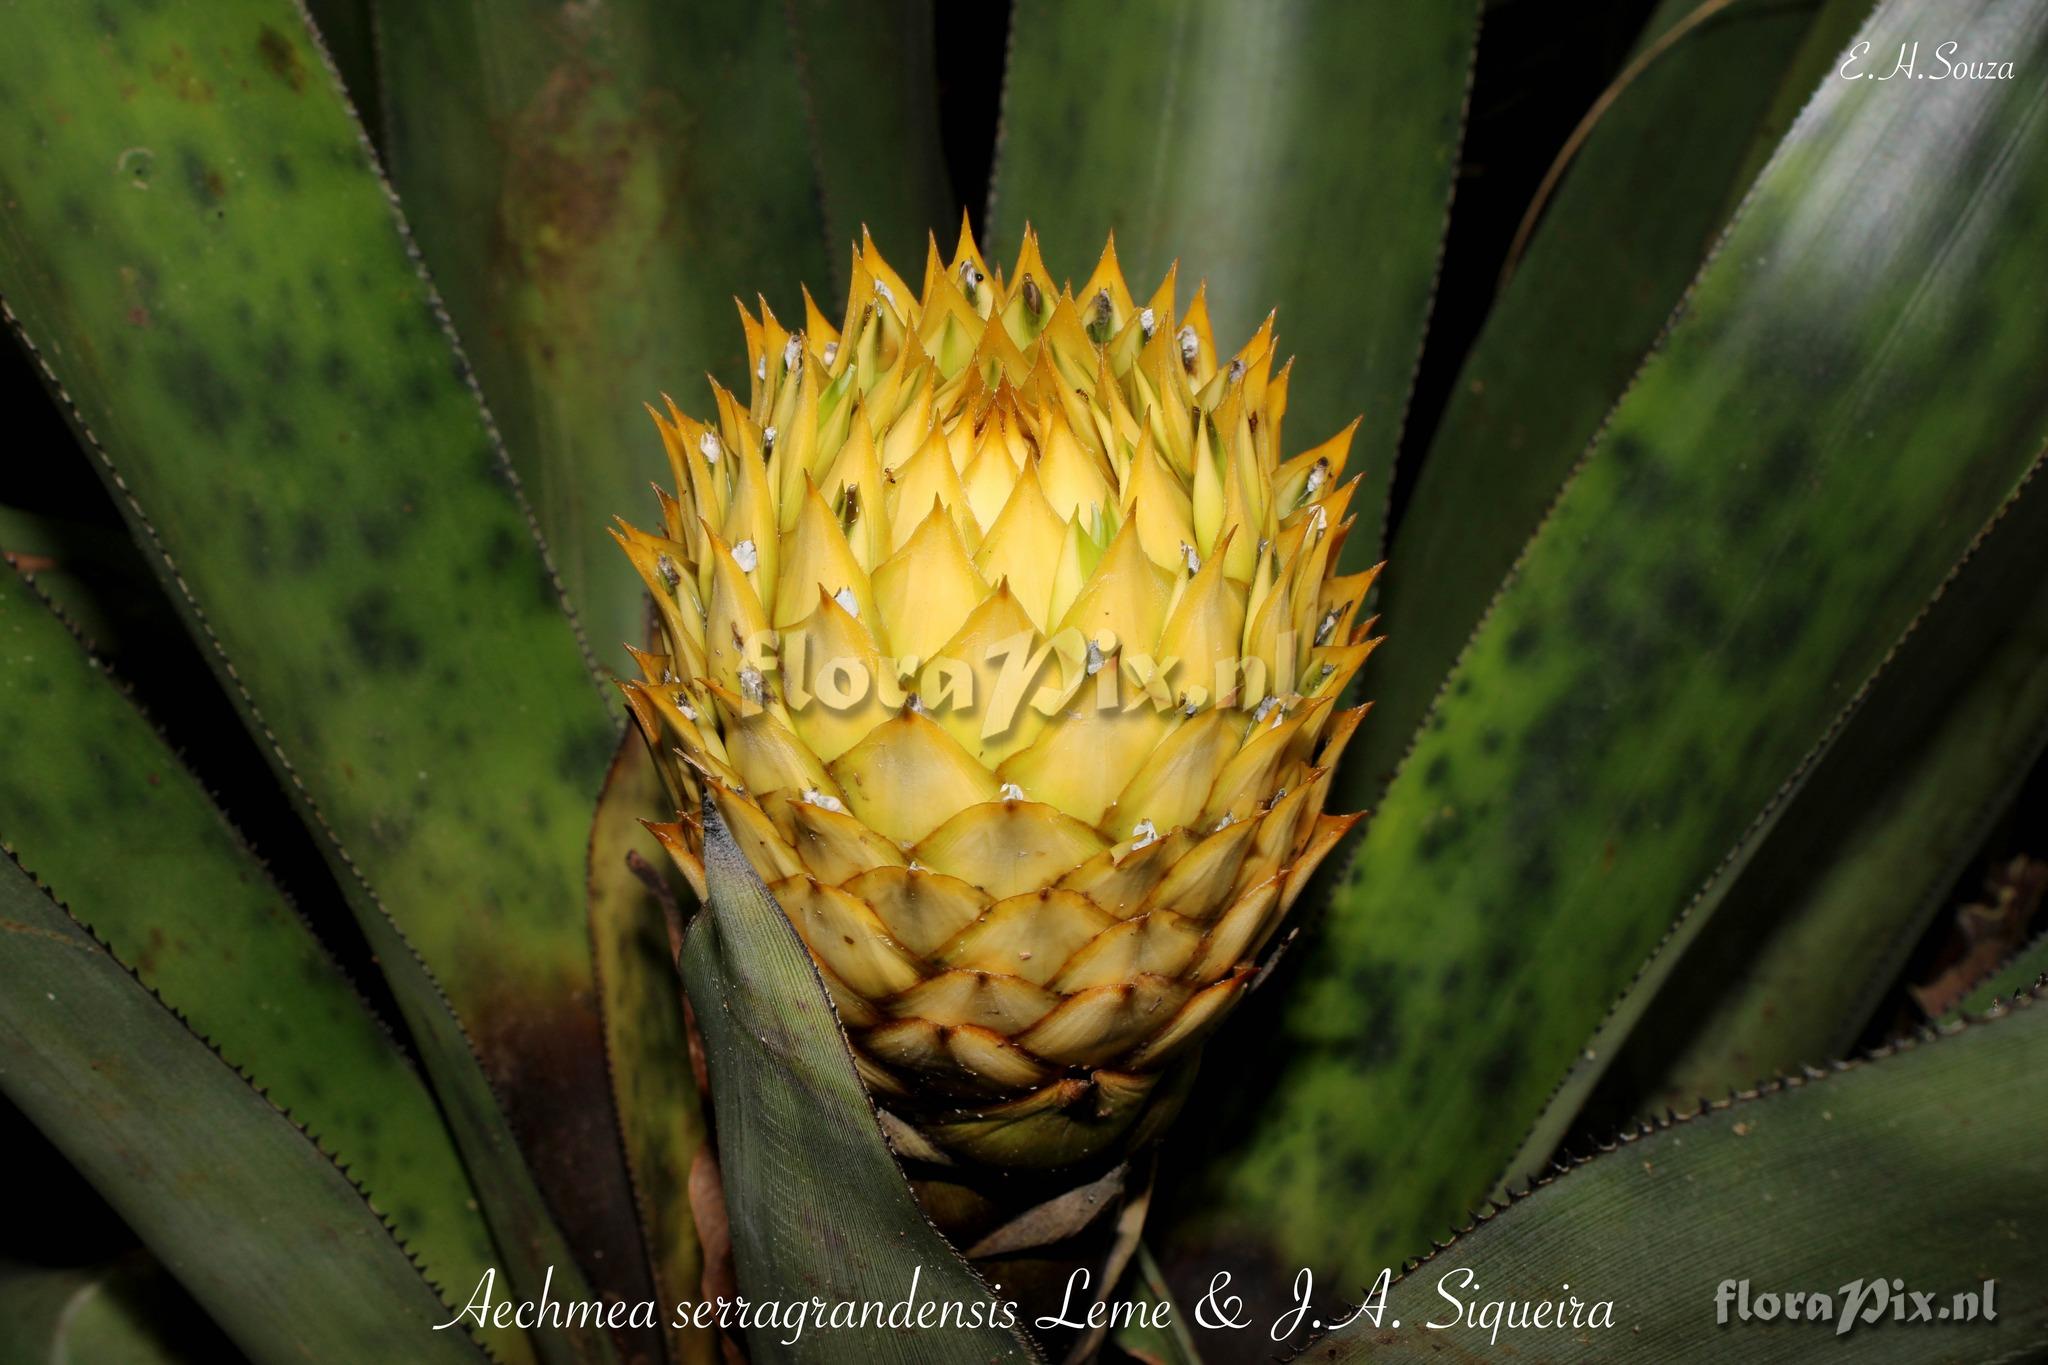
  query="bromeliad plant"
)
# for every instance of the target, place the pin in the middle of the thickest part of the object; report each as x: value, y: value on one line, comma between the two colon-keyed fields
x: 1718, y: 603
x: 1012, y: 675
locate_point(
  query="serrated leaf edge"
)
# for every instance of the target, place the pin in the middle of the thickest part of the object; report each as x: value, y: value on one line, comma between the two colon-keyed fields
x: 439, y: 308
x: 1780, y: 798
x: 1436, y: 276
x: 169, y: 572
x: 1679, y: 311
x: 2034, y: 997
x: 642, y: 1206
x: 126, y: 692
x: 716, y: 831
x: 313, y: 1139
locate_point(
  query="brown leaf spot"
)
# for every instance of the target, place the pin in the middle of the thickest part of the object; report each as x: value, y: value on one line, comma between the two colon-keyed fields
x: 281, y: 57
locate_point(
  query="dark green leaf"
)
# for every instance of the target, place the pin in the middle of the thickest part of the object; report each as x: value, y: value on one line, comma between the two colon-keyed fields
x: 593, y: 185
x: 1926, y: 1167
x: 1820, y: 56
x: 1298, y: 155
x: 129, y: 1313
x: 209, y: 268
x: 1848, y: 399
x: 661, y: 1115
x: 98, y: 808
x: 1808, y: 932
x: 795, y: 1124
x: 276, y: 1244
x: 871, y: 106
x: 1625, y: 232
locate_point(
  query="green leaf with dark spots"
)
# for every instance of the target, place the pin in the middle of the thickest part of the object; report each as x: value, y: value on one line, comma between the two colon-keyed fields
x: 593, y: 185
x: 794, y: 1120
x: 100, y: 809
x: 1617, y: 245
x: 1298, y: 155
x: 277, y: 1245
x: 1924, y: 1167
x: 199, y: 250
x: 1848, y: 399
x: 647, y: 1044
x: 1810, y: 931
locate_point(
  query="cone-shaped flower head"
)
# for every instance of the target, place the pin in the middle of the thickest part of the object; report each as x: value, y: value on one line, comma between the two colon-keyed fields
x: 1004, y: 635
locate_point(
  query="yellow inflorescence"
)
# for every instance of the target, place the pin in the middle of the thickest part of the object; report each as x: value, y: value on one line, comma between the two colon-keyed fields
x: 1007, y: 643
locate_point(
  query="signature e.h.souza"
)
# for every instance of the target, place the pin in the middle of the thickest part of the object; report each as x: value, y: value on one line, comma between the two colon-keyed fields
x: 1947, y: 64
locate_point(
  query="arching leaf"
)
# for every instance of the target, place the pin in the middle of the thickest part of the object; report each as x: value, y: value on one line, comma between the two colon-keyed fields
x: 1847, y: 401
x: 98, y: 807
x: 1298, y: 155
x: 593, y: 185
x: 793, y: 1121
x: 647, y: 1045
x: 129, y: 1312
x: 1923, y: 1168
x: 1636, y: 212
x: 199, y: 250
x: 1812, y: 928
x: 278, y: 1247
